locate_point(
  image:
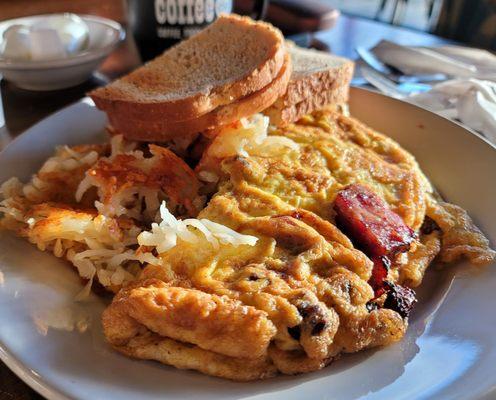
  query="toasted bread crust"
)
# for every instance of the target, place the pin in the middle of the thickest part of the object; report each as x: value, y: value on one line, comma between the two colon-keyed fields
x: 114, y: 102
x: 162, y: 129
x: 310, y: 92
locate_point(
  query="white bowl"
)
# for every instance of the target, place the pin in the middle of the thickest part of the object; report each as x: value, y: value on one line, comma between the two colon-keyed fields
x: 104, y: 36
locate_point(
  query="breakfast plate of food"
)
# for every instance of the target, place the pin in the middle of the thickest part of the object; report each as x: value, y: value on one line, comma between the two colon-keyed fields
x: 230, y: 220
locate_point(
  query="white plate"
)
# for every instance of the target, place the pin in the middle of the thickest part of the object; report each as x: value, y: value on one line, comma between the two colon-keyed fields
x: 448, y: 352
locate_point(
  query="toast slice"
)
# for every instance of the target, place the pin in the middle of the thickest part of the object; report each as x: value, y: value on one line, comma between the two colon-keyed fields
x: 318, y: 79
x: 230, y: 59
x: 162, y: 129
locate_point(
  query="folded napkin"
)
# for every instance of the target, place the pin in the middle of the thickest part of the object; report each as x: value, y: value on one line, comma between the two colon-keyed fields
x: 455, y: 61
x: 471, y: 101
x: 469, y: 96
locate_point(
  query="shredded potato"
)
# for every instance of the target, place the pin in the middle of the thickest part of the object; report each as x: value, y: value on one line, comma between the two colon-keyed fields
x: 163, y: 236
x: 127, y: 180
x: 97, y: 230
x: 248, y: 137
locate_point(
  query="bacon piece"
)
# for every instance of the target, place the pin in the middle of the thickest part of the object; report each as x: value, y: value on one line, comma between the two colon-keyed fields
x: 429, y: 226
x: 371, y: 224
x: 400, y: 299
x: 379, y: 275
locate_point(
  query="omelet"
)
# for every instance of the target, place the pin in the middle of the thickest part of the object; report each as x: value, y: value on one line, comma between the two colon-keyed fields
x: 337, y: 225
x: 291, y: 303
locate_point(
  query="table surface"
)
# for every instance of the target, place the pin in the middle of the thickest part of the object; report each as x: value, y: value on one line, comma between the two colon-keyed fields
x: 20, y: 109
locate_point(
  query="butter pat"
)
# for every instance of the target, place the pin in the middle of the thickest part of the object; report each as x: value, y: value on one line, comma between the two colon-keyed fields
x: 16, y: 43
x: 71, y: 29
x: 46, y: 44
x: 53, y: 37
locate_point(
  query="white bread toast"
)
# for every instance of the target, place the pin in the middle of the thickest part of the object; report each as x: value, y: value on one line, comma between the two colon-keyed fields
x: 180, y: 94
x: 164, y: 130
x: 230, y: 59
x: 318, y: 79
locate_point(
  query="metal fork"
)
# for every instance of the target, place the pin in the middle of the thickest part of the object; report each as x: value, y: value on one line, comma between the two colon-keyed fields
x: 369, y: 58
x: 389, y: 87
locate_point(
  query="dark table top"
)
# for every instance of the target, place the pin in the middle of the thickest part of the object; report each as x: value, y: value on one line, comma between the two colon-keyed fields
x: 20, y: 109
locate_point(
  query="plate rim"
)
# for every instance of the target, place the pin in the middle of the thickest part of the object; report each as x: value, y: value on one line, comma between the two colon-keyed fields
x: 29, y: 377
x: 426, y: 109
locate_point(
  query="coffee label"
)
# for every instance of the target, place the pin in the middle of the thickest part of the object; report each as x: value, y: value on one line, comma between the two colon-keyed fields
x: 179, y: 19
